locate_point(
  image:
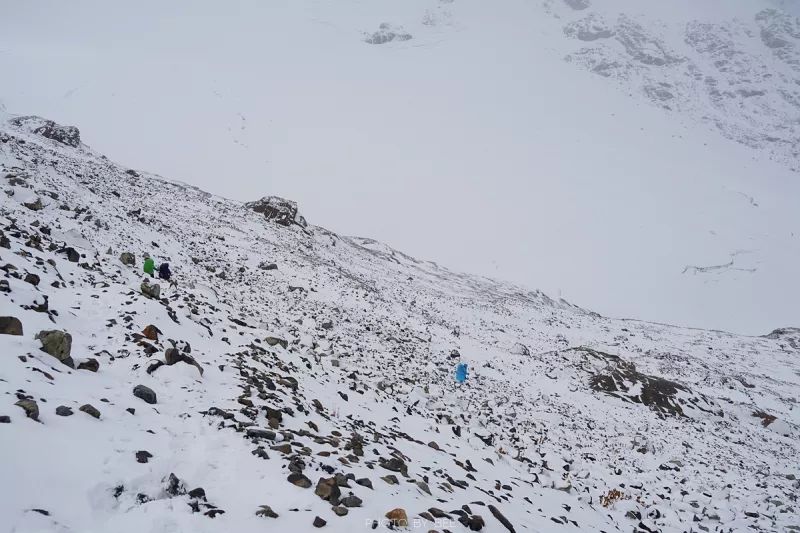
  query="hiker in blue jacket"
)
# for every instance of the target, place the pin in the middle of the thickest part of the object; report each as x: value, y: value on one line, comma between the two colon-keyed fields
x: 461, y: 372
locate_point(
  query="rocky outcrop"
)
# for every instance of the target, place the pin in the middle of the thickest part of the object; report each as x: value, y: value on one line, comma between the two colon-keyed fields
x: 278, y: 210
x: 66, y: 135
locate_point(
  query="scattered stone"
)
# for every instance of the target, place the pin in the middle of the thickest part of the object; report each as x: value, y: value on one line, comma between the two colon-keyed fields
x: 145, y: 393
x: 284, y: 448
x: 261, y: 433
x: 127, y: 258
x: 10, y: 325
x: 151, y: 333
x: 198, y: 494
x: 266, y: 511
x: 398, y: 517
x: 296, y: 478
x: 30, y: 407
x: 273, y: 341
x: 364, y: 482
x: 395, y: 465
x: 319, y: 522
x: 142, y: 456
x: 475, y: 523
x: 36, y: 205
x: 339, y: 510
x: 90, y: 364
x: 58, y: 344
x: 351, y: 501
x: 63, y: 410
x: 328, y: 490
x: 5, y: 419
x: 174, y: 486
x: 89, y: 409
x: 423, y: 487
x: 500, y: 518
x: 391, y: 479
x: 33, y: 279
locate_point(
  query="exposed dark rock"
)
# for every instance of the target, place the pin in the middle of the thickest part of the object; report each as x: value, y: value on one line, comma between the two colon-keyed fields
x: 364, y: 482
x: 142, y: 456
x: 620, y: 378
x: 279, y: 210
x: 266, y: 511
x: 33, y: 279
x: 339, y: 510
x: 299, y: 479
x: 319, y: 522
x: 174, y: 486
x: 151, y: 290
x: 63, y: 410
x: 5, y: 419
x: 328, y: 490
x: 145, y: 393
x: 500, y: 518
x: 90, y: 364
x: 127, y: 258
x: 89, y: 409
x: 272, y: 341
x: 10, y: 325
x: 30, y: 407
x: 351, y: 501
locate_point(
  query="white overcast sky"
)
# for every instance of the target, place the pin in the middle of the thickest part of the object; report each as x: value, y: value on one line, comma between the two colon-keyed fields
x: 473, y: 144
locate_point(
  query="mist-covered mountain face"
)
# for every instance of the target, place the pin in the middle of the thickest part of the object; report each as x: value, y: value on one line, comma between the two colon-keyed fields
x: 735, y: 66
x: 592, y: 150
x: 290, y: 378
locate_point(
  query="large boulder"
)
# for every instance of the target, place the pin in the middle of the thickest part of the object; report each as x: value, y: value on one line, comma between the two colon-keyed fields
x: 279, y: 210
x: 151, y: 290
x: 67, y: 135
x: 10, y: 325
x: 58, y: 344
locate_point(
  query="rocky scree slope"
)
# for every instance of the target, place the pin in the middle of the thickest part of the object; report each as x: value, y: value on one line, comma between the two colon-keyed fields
x: 293, y: 378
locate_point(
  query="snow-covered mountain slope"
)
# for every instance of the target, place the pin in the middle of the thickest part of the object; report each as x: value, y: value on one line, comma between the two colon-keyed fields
x: 311, y: 373
x: 735, y: 65
x: 484, y: 142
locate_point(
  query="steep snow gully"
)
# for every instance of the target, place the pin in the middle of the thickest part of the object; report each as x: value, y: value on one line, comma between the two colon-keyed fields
x: 291, y: 378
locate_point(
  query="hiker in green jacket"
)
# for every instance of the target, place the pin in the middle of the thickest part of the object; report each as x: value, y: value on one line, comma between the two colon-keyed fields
x: 149, y: 265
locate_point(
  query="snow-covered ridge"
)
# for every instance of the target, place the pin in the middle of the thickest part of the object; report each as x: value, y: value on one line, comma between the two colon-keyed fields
x: 293, y: 378
x: 739, y: 74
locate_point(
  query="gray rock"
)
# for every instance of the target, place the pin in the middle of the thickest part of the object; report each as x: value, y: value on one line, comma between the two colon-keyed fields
x: 145, y: 393
x: 328, y: 490
x: 151, y: 290
x: 10, y: 325
x: 351, y: 501
x: 90, y: 364
x: 89, y: 409
x: 319, y: 522
x: 339, y: 510
x: 364, y: 482
x: 272, y: 341
x: 127, y: 258
x: 33, y: 279
x: 266, y: 511
x: 391, y: 479
x: 261, y: 433
x: 58, y: 344
x: 5, y: 419
x: 30, y: 407
x: 299, y: 479
x: 63, y: 410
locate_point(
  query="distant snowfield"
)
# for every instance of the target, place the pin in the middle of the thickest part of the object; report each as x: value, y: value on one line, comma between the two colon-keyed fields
x: 473, y: 143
